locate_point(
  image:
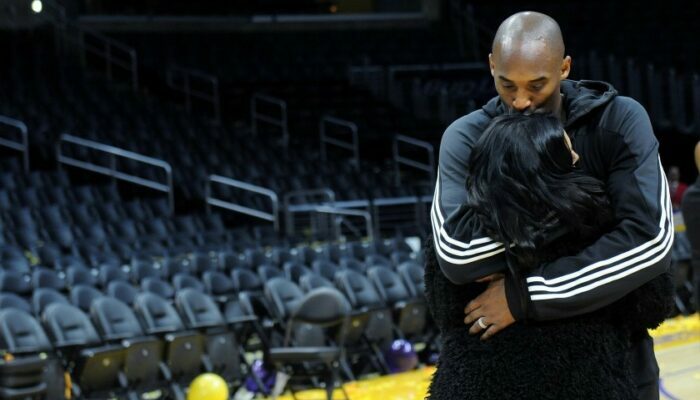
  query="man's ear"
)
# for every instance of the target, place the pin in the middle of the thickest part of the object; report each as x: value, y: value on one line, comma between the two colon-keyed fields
x: 491, y: 65
x: 565, y: 67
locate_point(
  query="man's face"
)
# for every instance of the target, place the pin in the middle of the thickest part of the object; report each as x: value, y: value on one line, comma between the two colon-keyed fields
x: 529, y: 81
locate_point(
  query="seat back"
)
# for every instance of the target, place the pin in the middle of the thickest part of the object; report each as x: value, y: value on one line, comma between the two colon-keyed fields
x: 322, y: 308
x: 388, y: 284
x: 21, y: 333
x: 312, y: 281
x: 159, y: 287
x: 42, y: 297
x: 184, y: 349
x: 245, y: 280
x: 14, y: 282
x: 122, y: 291
x: 96, y: 368
x: 412, y: 275
x: 284, y: 296
x: 11, y: 300
x: 114, y: 319
x: 198, y: 309
x: 82, y: 296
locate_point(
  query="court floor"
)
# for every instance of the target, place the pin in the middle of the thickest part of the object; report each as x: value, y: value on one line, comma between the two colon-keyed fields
x: 677, y: 344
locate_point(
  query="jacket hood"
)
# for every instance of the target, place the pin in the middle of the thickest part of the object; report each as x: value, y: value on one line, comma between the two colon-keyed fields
x: 580, y: 98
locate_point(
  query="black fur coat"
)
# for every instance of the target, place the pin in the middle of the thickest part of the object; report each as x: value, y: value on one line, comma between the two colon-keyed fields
x: 584, y: 357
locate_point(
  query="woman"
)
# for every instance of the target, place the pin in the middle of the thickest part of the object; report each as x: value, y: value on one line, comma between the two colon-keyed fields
x: 526, y: 190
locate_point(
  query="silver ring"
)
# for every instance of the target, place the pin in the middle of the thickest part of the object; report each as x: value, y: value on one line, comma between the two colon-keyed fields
x: 481, y: 323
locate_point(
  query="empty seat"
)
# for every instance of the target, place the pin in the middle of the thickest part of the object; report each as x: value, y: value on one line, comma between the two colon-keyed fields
x: 123, y: 291
x: 159, y: 287
x: 325, y: 268
x: 46, y: 278
x: 410, y: 313
x: 25, y: 375
x: 200, y: 312
x: 42, y: 297
x: 314, y: 281
x: 110, y: 273
x: 82, y: 296
x: 11, y: 300
x: 413, y: 277
x: 184, y: 348
x: 245, y: 280
x: 94, y: 367
x: 308, y: 356
x: 218, y: 285
x: 15, y: 282
x: 182, y: 281
x: 376, y: 260
x: 117, y: 323
x: 294, y: 271
x: 353, y: 264
x: 144, y: 268
x: 267, y: 272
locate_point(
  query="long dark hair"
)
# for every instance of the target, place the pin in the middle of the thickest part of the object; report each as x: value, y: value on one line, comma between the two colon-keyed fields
x: 527, y: 193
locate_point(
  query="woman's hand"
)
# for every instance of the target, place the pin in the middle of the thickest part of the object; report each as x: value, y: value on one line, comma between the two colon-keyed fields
x: 489, y: 311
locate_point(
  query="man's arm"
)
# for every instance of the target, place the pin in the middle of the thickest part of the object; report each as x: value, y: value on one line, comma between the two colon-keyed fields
x: 465, y: 253
x: 636, y: 251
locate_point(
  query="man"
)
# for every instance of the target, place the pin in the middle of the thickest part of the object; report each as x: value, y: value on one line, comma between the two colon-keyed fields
x: 675, y: 186
x: 616, y: 143
x: 691, y: 216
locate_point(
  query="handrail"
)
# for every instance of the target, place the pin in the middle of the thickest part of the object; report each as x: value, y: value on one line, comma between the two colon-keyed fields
x: 22, y: 146
x: 400, y: 160
x: 124, y: 57
x: 685, y: 123
x: 105, y: 50
x: 352, y: 145
x: 112, y: 171
x: 326, y: 193
x: 345, y: 212
x: 258, y: 116
x: 228, y: 205
x: 188, y: 75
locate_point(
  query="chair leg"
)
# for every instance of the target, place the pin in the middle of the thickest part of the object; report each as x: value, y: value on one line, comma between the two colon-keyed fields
x: 330, y: 384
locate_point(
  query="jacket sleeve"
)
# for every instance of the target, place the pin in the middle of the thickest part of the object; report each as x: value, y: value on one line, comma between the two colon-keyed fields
x: 463, y: 251
x: 634, y: 252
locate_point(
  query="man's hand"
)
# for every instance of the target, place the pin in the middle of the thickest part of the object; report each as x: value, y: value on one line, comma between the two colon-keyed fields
x: 491, y: 306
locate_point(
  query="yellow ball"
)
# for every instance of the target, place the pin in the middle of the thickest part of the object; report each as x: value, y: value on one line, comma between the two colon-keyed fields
x: 208, y: 387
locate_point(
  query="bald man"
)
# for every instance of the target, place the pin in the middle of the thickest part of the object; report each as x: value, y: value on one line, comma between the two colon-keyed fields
x: 616, y: 144
x: 690, y: 208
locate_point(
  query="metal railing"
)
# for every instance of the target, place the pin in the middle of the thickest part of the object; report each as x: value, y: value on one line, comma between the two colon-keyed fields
x: 240, y: 208
x: 684, y: 114
x: 399, y: 160
x: 353, y: 145
x: 188, y: 77
x: 256, y: 116
x: 325, y: 196
x: 339, y: 220
x: 22, y: 145
x: 112, y: 171
x: 116, y: 55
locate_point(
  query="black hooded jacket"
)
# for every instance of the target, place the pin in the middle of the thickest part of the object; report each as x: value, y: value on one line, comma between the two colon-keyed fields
x: 614, y: 138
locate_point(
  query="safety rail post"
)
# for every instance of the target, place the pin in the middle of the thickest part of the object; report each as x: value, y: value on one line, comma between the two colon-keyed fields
x: 112, y: 171
x: 290, y: 209
x: 23, y: 144
x: 256, y: 116
x: 240, y: 208
x: 339, y: 213
x: 399, y: 160
x: 187, y: 76
x: 352, y: 145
